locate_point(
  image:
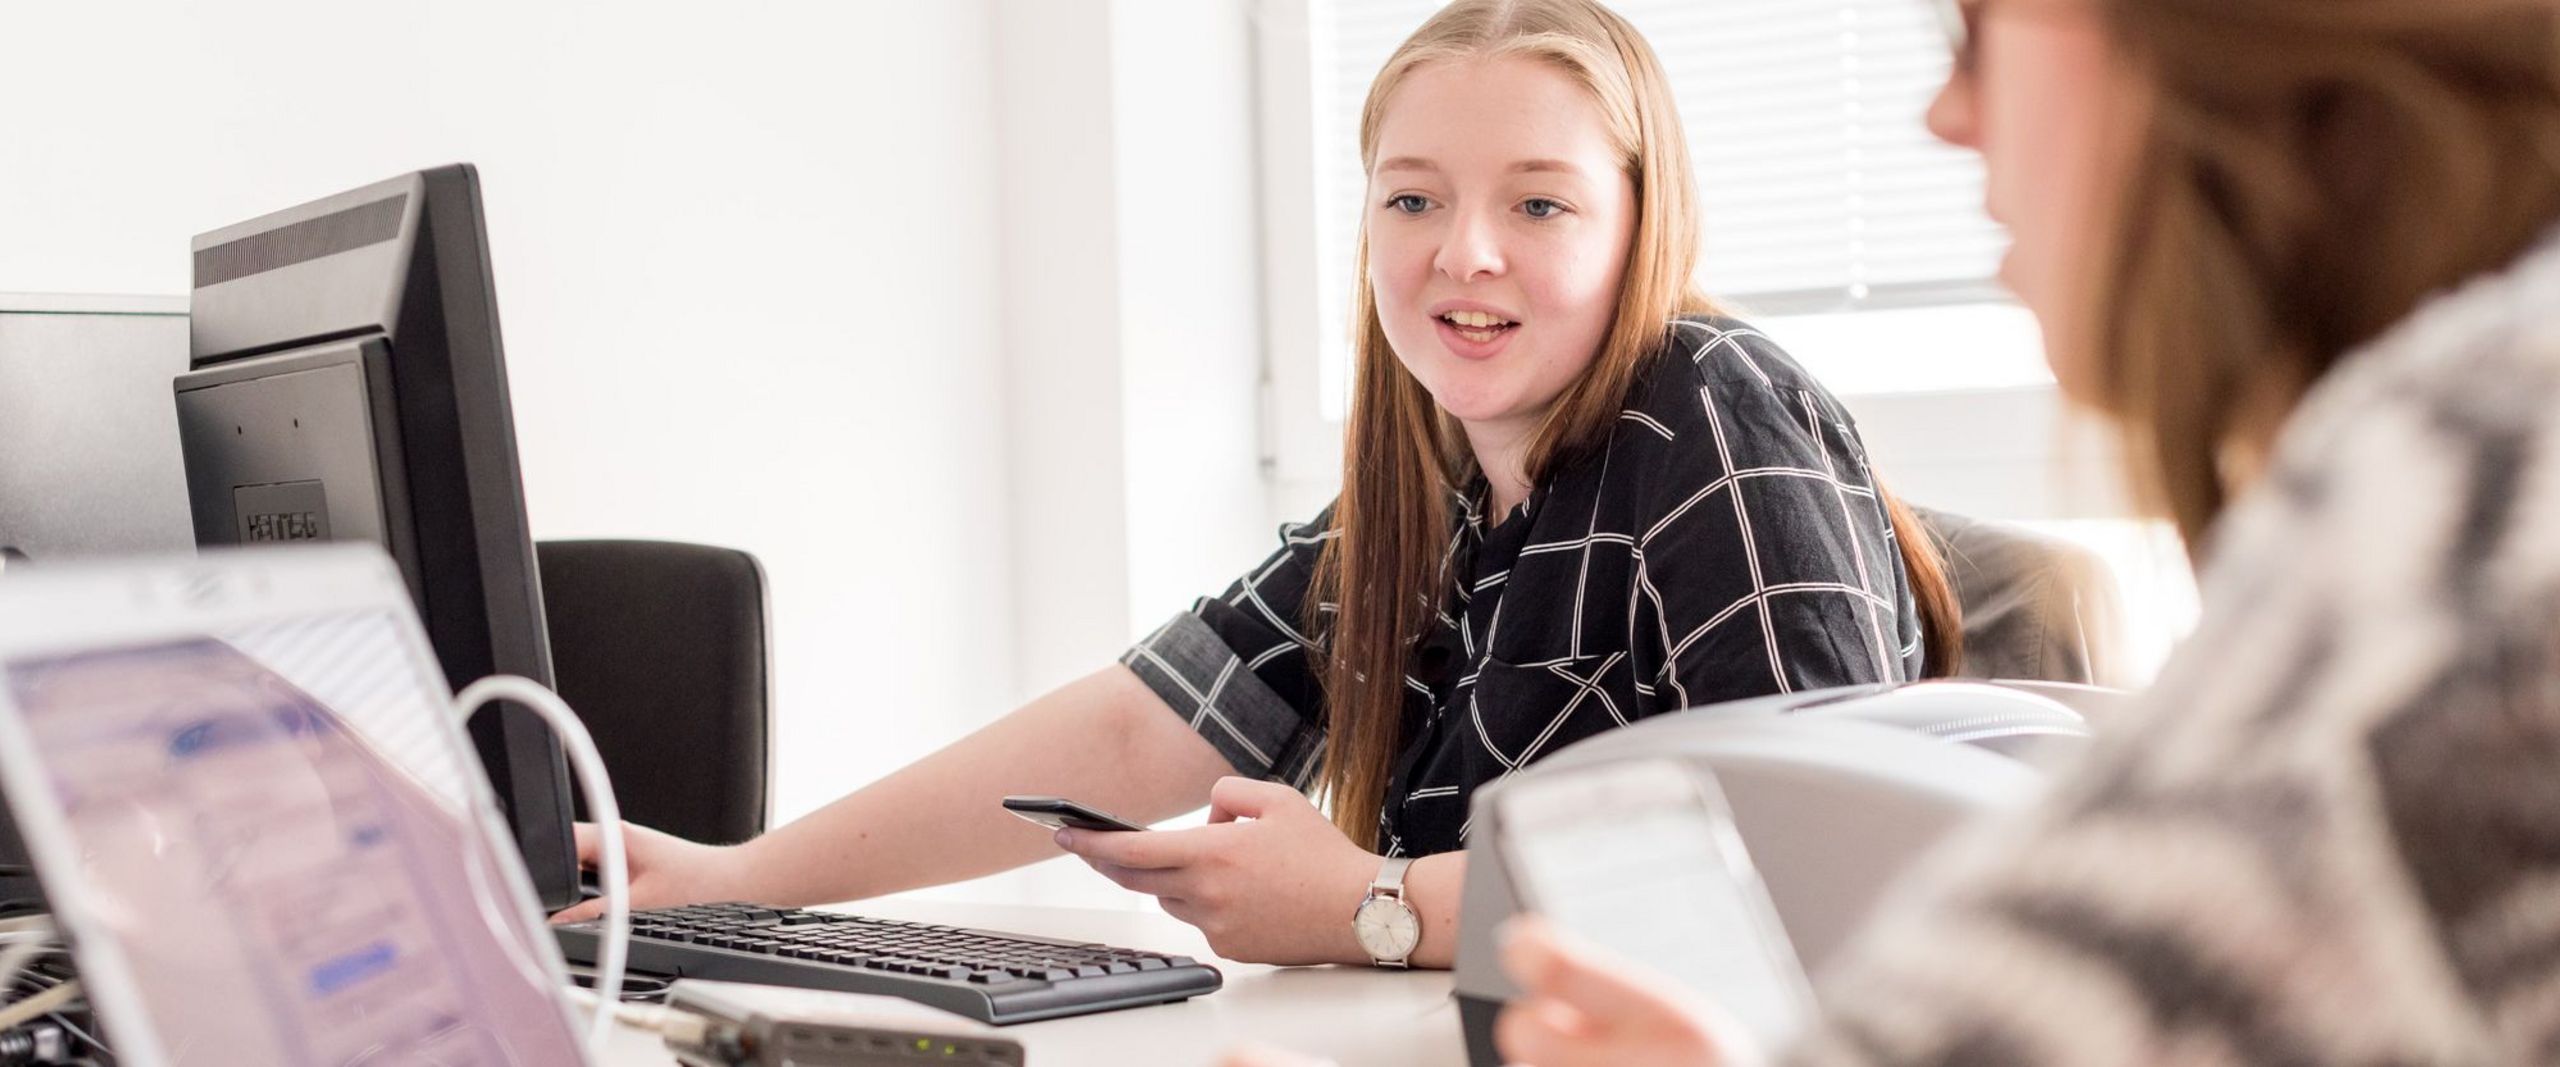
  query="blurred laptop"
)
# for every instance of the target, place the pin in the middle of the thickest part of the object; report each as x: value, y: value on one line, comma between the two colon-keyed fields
x: 265, y: 836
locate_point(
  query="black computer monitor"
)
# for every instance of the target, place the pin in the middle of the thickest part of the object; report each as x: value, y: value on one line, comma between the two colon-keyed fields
x: 347, y: 383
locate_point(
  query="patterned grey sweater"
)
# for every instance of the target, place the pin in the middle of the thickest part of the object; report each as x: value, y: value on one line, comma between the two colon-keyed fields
x: 2331, y: 834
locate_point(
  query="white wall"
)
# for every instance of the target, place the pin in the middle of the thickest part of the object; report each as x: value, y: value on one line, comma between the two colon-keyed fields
x: 1191, y: 298
x: 950, y: 312
x: 747, y: 258
x: 1133, y: 339
x: 1062, y: 338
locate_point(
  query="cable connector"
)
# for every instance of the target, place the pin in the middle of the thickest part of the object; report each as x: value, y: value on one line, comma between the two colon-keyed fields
x: 691, y: 1035
x: 35, y: 1043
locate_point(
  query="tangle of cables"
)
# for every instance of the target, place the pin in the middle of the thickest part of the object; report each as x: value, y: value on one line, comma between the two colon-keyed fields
x: 44, y: 1019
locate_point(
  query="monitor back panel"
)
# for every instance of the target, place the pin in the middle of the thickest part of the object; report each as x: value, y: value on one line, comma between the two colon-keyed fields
x: 89, y: 460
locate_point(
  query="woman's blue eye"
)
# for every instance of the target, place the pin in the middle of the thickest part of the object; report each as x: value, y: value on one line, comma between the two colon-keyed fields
x: 1409, y: 203
x: 1541, y: 208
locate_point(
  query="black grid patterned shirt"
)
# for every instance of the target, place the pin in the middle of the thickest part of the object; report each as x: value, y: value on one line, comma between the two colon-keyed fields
x: 1726, y: 542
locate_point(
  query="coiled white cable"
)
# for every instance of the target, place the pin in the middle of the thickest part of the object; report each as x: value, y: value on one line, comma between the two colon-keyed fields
x: 612, y: 863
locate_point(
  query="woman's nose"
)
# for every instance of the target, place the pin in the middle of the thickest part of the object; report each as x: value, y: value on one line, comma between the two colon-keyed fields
x: 1472, y: 248
x: 1951, y: 113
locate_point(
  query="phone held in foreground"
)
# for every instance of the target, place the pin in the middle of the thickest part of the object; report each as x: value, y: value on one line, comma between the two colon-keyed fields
x: 1059, y: 813
x: 1641, y: 858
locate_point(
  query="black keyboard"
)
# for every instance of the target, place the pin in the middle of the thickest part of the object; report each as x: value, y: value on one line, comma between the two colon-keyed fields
x: 988, y: 976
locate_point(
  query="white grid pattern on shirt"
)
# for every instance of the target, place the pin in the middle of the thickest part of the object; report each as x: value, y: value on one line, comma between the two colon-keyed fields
x: 1723, y: 353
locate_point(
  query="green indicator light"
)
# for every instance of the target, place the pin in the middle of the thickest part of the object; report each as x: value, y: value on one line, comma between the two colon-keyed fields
x: 950, y: 1050
x: 924, y: 1044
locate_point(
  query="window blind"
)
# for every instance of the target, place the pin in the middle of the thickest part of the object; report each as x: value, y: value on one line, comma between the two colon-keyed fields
x: 1821, y: 188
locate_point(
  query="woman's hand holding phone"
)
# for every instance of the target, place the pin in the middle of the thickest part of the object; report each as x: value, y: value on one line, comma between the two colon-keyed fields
x: 1269, y: 880
x: 1580, y: 1008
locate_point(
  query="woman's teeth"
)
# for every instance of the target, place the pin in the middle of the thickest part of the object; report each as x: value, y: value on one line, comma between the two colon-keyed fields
x: 1477, y: 326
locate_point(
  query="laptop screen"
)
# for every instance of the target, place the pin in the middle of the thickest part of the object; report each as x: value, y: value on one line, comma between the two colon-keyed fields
x: 280, y: 835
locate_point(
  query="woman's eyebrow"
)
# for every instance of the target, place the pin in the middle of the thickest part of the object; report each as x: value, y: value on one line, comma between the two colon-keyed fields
x: 1530, y: 166
x: 1526, y: 166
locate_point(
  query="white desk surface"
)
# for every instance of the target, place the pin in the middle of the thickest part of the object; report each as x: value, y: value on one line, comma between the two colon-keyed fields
x: 1354, y: 1016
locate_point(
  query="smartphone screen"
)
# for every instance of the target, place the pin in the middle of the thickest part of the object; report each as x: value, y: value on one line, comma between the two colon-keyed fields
x: 1641, y: 859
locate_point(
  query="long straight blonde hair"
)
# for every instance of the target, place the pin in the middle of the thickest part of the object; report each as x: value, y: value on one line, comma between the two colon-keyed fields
x: 1385, y: 573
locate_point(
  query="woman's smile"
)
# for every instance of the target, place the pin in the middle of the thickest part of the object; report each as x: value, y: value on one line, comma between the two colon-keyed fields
x: 1473, y: 331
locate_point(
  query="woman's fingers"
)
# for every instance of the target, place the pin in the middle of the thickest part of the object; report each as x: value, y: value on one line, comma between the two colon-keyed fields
x: 590, y: 846
x: 1147, y: 849
x: 1235, y: 797
x: 1179, y: 908
x: 1547, y: 962
x: 1154, y: 883
x: 1579, y: 1005
x: 1548, y: 1034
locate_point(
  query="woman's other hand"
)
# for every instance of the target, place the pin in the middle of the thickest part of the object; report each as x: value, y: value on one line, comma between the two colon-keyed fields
x: 666, y: 871
x: 1269, y: 880
x: 1580, y: 1008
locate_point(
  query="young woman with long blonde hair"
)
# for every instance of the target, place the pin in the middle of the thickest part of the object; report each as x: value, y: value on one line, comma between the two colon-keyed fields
x: 1573, y: 496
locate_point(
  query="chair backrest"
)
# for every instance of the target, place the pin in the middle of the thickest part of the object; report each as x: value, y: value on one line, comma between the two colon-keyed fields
x: 2036, y: 608
x: 663, y: 649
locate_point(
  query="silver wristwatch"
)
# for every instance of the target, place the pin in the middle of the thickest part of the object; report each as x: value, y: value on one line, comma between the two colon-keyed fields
x: 1385, y: 925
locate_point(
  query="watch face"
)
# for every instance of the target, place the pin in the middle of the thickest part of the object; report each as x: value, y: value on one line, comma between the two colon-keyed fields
x: 1387, y: 929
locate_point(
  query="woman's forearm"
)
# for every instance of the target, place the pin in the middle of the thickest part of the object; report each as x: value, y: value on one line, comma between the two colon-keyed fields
x: 1104, y: 739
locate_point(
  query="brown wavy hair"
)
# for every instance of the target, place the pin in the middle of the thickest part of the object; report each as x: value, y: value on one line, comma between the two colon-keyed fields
x: 2309, y: 172
x: 1384, y: 575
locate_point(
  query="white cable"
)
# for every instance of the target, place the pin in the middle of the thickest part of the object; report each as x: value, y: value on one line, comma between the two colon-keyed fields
x: 612, y: 863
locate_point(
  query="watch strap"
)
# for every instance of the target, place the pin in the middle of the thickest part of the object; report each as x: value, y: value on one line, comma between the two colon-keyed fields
x: 1390, y: 880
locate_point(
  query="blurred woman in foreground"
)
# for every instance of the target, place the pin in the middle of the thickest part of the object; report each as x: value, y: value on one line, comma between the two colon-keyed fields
x: 2301, y: 252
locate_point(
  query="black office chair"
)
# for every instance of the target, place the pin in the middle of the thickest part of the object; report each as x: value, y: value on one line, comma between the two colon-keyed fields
x: 664, y: 651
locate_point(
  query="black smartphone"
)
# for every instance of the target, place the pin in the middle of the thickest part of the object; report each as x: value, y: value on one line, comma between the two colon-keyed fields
x: 1060, y: 813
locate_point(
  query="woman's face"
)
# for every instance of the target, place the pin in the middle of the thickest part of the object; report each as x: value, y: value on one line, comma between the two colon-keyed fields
x: 2046, y: 103
x: 1499, y: 219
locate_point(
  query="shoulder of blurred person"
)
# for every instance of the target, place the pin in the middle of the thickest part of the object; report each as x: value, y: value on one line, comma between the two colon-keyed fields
x: 2328, y: 834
